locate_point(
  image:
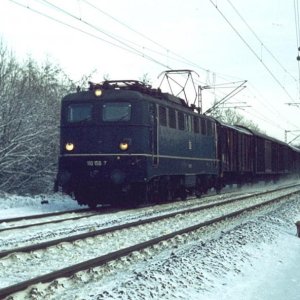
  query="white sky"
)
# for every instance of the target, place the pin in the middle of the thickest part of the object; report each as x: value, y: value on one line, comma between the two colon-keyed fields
x: 193, y: 29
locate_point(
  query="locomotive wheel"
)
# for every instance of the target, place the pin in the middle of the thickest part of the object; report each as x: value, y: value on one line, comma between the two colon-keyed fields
x: 218, y: 190
x: 80, y: 196
x: 152, y: 194
x: 218, y: 187
x: 86, y: 197
x: 198, y: 194
x: 182, y: 193
x: 133, y: 197
x: 92, y: 205
x: 137, y: 194
x: 164, y: 194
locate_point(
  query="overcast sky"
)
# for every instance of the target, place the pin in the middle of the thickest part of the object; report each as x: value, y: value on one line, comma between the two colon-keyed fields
x: 125, y: 39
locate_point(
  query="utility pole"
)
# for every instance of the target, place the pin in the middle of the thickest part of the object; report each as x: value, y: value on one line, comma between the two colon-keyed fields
x: 286, y: 132
x: 227, y: 97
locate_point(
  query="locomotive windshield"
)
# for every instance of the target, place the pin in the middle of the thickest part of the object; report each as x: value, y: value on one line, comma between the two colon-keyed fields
x: 107, y: 112
x: 79, y: 112
x: 116, y: 111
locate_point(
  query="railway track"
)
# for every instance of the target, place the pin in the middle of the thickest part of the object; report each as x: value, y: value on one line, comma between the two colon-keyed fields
x: 158, y: 229
x: 56, y: 217
x: 61, y: 216
x: 43, y: 215
x: 51, y: 218
x: 64, y: 225
x: 91, y: 221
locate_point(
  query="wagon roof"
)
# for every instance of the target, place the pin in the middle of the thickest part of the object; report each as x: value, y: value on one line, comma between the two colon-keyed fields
x: 294, y: 148
x: 262, y: 135
x: 238, y: 128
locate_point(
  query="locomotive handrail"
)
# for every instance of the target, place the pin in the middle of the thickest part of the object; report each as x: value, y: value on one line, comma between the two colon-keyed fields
x: 126, y: 85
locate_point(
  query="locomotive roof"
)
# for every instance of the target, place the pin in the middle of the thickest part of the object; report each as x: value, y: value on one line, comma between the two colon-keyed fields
x: 138, y: 86
x: 126, y: 88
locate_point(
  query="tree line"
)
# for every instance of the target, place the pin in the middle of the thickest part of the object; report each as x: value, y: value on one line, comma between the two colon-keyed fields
x: 30, y: 96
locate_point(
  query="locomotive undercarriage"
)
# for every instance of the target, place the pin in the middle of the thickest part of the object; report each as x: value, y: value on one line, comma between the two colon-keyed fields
x: 115, y: 195
x: 169, y: 188
x: 158, y: 190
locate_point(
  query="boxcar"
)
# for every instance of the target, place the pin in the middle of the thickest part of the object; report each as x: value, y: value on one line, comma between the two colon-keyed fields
x: 236, y: 153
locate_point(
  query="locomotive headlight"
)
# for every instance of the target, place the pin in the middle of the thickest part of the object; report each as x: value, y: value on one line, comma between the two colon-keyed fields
x: 125, y: 143
x: 98, y: 92
x: 69, y: 146
x: 124, y: 146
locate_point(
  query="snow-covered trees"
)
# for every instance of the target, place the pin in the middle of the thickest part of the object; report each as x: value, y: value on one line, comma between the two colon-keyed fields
x: 29, y: 118
x: 232, y: 117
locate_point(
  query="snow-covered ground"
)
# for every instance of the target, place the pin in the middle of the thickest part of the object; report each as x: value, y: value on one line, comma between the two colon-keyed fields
x: 16, y: 206
x: 259, y: 259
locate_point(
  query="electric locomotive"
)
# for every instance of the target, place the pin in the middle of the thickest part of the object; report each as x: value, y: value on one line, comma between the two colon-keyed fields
x: 125, y: 143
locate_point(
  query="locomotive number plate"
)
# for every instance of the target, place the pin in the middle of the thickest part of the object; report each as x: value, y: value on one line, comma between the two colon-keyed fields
x: 96, y: 163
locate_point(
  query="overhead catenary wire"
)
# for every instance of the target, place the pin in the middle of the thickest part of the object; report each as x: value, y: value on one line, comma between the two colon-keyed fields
x: 116, y: 44
x: 183, y: 59
x: 297, y: 31
x: 122, y: 23
x: 81, y: 30
x: 175, y: 57
x: 170, y: 54
x: 249, y: 27
x: 134, y: 50
x: 124, y: 46
x: 118, y: 39
x: 125, y: 42
x: 252, y: 51
x: 269, y: 107
x: 179, y: 58
x: 261, y: 42
x: 122, y: 40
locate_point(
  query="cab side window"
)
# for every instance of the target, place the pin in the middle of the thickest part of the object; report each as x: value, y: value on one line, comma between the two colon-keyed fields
x: 172, y: 118
x: 203, y: 127
x: 180, y: 117
x: 162, y: 115
x: 209, y: 127
x: 196, y: 124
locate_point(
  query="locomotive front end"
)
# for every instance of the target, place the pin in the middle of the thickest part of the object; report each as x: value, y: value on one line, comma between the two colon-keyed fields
x: 103, y: 146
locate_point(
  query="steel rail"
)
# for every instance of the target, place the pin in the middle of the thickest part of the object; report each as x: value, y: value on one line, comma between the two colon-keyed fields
x: 45, y: 215
x: 90, y: 213
x: 48, y: 222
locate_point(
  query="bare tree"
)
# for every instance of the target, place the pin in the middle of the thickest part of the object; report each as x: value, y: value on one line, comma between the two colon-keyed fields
x: 29, y: 117
x: 232, y: 117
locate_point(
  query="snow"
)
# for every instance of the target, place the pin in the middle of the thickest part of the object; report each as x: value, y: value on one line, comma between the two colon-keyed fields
x: 12, y: 206
x: 272, y: 272
x: 259, y: 259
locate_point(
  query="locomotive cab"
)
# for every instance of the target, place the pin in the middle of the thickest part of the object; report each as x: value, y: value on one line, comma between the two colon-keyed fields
x: 104, y: 143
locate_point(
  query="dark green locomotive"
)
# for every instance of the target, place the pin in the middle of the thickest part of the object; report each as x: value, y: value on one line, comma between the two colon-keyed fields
x: 124, y: 143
